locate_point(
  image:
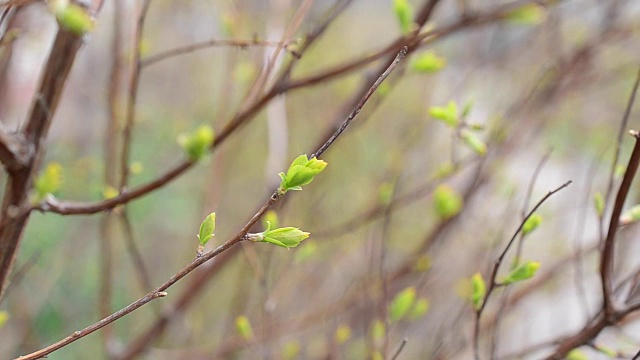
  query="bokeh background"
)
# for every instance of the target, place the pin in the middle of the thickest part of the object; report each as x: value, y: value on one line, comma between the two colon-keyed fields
x: 547, y: 89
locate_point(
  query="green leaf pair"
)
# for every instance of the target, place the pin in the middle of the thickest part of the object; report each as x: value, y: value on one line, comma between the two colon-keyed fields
x: 286, y: 237
x: 301, y: 172
x: 197, y: 143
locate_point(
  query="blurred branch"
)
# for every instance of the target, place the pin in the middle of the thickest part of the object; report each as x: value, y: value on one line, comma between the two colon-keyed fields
x: 242, y: 44
x: 133, y: 96
x: 240, y: 236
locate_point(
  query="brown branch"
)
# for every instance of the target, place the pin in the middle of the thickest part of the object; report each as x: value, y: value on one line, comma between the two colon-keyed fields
x: 239, y: 43
x: 15, y: 152
x: 606, y: 262
x: 44, y: 104
x: 240, y: 236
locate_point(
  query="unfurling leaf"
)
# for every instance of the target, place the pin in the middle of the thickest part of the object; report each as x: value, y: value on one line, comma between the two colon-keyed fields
x: 447, y: 114
x: 286, y: 237
x: 531, y: 224
x: 244, y: 327
x: 522, y: 272
x: 402, y: 304
x: 301, y: 172
x: 49, y: 181
x: 478, y: 291
x: 428, y: 63
x: 404, y: 14
x: 473, y: 141
x: 197, y: 143
x: 207, y: 228
x: 447, y: 202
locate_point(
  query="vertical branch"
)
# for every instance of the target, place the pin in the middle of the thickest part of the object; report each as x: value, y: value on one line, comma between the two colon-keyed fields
x: 132, y: 96
x: 43, y: 106
x: 608, y: 251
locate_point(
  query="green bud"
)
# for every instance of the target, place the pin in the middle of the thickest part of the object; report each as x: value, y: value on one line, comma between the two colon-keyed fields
x: 473, y: 141
x: 197, y: 143
x: 244, y: 327
x: 531, y: 14
x: 404, y: 14
x: 286, y: 237
x: 72, y: 17
x: 419, y: 309
x: 447, y: 202
x: 522, y: 272
x: 402, y: 304
x: 428, y: 63
x: 478, y: 292
x: 447, y: 114
x: 49, y: 181
x: 343, y: 334
x: 206, y: 229
x: 531, y: 224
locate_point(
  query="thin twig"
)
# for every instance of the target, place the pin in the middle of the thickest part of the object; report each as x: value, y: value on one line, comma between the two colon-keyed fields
x: 404, y: 342
x: 242, y: 44
x: 496, y: 266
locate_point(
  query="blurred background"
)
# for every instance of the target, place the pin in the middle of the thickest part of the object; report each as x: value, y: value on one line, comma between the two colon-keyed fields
x: 412, y: 200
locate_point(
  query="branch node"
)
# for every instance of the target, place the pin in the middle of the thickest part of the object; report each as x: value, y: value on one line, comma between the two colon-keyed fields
x: 634, y: 133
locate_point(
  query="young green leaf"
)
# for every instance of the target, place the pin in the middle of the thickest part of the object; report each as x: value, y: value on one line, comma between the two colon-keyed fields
x: 478, y: 291
x: 402, y: 304
x: 206, y: 229
x: 598, y: 202
x: 72, y: 17
x: 523, y: 272
x: 197, y: 143
x: 343, y: 334
x: 447, y: 114
x: 428, y: 63
x: 446, y: 201
x: 531, y: 224
x: 244, y: 327
x: 404, y: 14
x: 419, y: 309
x: 286, y: 237
x: 49, y: 181
x: 473, y: 141
x: 301, y: 172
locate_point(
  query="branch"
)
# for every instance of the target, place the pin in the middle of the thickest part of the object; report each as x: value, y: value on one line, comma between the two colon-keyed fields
x: 606, y: 262
x: 240, y: 236
x: 15, y: 152
x: 43, y: 106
